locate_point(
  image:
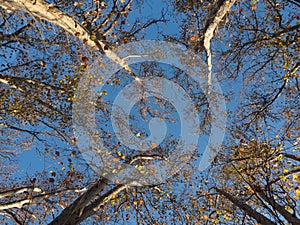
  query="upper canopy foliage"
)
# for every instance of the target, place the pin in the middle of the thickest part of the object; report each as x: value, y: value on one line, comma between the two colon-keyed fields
x: 252, y: 49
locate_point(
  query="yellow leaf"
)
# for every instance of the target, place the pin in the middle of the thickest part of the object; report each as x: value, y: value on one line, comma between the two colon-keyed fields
x: 104, y: 5
x: 205, y: 218
x: 297, y: 192
x: 288, y: 208
x: 295, y: 177
x: 93, y: 37
x: 140, y: 167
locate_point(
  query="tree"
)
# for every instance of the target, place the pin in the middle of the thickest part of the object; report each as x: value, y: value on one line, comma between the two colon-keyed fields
x: 255, y: 48
x: 46, y: 47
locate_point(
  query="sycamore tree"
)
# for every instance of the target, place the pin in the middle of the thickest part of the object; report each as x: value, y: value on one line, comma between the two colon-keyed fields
x: 42, y: 60
x: 256, y: 51
x: 252, y: 48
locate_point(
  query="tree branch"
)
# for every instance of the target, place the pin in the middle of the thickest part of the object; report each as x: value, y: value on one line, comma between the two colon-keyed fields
x: 209, y: 31
x: 292, y: 219
x: 147, y: 157
x: 246, y: 208
x: 32, y: 199
x: 86, y: 205
x: 19, y: 190
x: 7, y: 79
x: 284, y: 175
x: 291, y: 156
x: 44, y: 11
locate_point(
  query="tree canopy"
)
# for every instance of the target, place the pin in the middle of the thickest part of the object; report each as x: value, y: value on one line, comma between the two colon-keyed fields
x: 55, y: 53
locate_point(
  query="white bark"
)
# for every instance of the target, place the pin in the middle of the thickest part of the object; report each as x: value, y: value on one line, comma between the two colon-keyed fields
x: 209, y: 34
x: 17, y: 204
x: 11, y: 85
x: 6, y: 81
x: 33, y: 199
x: 42, y: 10
x: 88, y: 203
x: 19, y: 190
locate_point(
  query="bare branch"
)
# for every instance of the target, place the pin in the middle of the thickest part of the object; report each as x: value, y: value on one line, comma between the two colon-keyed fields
x: 211, y: 27
x: 19, y: 190
x: 291, y: 156
x: 146, y: 157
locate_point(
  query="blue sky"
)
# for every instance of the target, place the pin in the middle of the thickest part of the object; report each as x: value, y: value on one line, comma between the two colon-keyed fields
x: 32, y: 161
